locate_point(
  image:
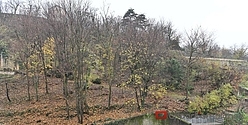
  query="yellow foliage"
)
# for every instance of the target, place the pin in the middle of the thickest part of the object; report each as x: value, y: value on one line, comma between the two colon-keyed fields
x: 34, y: 63
x: 49, y: 52
x: 130, y: 102
x: 157, y: 91
x: 221, y: 97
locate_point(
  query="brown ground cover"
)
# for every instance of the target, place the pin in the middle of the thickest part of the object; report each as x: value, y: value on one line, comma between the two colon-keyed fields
x: 50, y: 109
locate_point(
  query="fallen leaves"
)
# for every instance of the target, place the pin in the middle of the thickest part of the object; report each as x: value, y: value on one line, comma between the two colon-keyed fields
x: 50, y: 109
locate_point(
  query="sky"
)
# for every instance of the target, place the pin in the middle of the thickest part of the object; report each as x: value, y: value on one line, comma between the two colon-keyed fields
x: 227, y: 19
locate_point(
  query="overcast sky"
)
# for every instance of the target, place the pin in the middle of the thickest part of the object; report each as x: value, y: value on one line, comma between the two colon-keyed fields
x: 228, y: 19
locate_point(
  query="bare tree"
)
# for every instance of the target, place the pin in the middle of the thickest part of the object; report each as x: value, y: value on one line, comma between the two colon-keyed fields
x: 109, y: 47
x: 206, y: 45
x: 197, y: 42
x: 239, y: 52
x: 56, y: 16
x: 72, y: 25
x: 225, y: 52
x: 31, y: 32
x: 14, y: 5
x: 26, y: 44
x: 172, y: 37
x: 155, y: 49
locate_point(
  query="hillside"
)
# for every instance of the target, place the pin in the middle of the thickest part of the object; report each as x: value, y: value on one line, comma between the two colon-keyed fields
x: 50, y: 109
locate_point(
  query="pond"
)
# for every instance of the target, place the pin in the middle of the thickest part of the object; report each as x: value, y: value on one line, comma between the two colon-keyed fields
x: 173, y: 119
x: 203, y: 119
x: 149, y: 119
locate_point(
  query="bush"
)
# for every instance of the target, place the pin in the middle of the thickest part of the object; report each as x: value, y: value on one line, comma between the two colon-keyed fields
x: 244, y: 82
x: 157, y: 91
x: 221, y: 97
x: 96, y: 81
x: 222, y: 75
x: 197, y: 105
x: 213, y: 100
x: 175, y: 72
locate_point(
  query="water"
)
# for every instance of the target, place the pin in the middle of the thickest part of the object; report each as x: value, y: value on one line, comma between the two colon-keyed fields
x: 204, y: 119
x: 177, y: 119
x: 149, y: 119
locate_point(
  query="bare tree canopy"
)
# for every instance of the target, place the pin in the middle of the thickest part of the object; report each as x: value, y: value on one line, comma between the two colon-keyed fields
x: 199, y: 42
x: 239, y: 52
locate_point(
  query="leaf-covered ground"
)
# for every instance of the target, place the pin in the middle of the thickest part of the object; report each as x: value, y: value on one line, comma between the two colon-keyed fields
x: 50, y: 109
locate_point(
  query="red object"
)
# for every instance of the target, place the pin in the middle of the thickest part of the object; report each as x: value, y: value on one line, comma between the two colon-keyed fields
x: 161, y: 114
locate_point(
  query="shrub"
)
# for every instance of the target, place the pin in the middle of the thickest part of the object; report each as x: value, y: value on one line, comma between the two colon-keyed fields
x: 221, y: 97
x: 96, y: 81
x: 219, y: 75
x: 157, y: 91
x: 213, y: 100
x: 244, y: 82
x: 197, y: 105
x: 175, y: 72
x: 227, y: 96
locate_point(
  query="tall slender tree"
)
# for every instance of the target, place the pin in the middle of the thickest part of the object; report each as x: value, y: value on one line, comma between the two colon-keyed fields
x: 195, y: 39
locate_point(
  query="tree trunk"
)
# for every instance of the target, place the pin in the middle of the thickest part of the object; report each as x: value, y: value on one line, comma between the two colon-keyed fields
x: 7, y: 91
x: 78, y: 100
x: 143, y: 96
x: 187, y: 85
x: 110, y: 95
x: 137, y: 99
x: 29, y: 98
x: 66, y: 94
x: 80, y: 105
x: 65, y: 85
x: 28, y: 80
x: 86, y: 106
x: 45, y: 71
x: 67, y: 107
x: 79, y: 90
x: 144, y: 92
x: 79, y: 110
x: 188, y: 75
x: 36, y: 82
x: 84, y: 91
x: 46, y: 82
